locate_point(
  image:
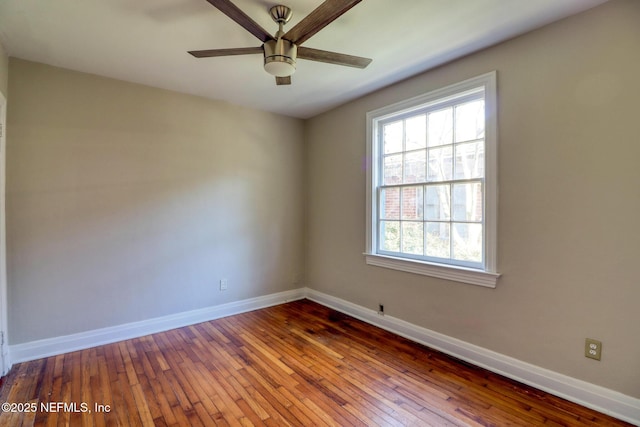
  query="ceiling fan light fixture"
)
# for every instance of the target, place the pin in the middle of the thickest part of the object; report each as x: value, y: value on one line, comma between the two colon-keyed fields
x: 280, y: 66
x: 280, y: 57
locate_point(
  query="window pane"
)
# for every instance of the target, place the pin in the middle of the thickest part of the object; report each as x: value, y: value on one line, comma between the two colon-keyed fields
x: 390, y: 236
x: 440, y: 164
x: 467, y: 202
x: 392, y: 137
x: 412, y: 203
x: 393, y: 169
x: 469, y: 160
x: 415, y: 166
x: 467, y: 242
x: 412, y: 238
x: 438, y: 244
x: 416, y: 132
x: 390, y: 203
x: 470, y: 121
x: 438, y: 203
x: 440, y: 131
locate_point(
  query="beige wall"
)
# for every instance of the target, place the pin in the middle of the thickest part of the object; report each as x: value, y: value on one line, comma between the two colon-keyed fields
x: 127, y: 202
x: 569, y: 203
x: 4, y: 70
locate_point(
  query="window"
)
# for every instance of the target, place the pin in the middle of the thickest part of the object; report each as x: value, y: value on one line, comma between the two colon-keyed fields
x: 432, y: 183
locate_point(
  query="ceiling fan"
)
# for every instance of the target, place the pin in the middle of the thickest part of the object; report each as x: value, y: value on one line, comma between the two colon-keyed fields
x: 281, y: 50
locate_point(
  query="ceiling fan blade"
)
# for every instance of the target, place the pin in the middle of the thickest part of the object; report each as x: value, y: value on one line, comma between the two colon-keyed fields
x: 322, y: 16
x: 226, y: 52
x: 332, y: 57
x: 283, y: 80
x: 233, y: 12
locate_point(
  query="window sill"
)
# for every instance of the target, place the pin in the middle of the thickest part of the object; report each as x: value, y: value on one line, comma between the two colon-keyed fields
x: 456, y: 274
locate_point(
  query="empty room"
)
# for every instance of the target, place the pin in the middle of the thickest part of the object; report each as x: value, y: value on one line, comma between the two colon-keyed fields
x: 319, y: 212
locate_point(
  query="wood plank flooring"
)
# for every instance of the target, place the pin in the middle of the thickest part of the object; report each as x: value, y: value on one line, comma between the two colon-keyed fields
x: 297, y: 364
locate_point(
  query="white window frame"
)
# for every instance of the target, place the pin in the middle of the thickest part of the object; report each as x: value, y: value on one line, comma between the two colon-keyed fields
x: 487, y: 275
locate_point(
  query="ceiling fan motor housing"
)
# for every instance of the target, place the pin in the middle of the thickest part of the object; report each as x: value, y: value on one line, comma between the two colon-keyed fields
x: 280, y: 57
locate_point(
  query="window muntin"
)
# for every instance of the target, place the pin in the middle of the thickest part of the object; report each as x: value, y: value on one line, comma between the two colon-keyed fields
x: 432, y: 183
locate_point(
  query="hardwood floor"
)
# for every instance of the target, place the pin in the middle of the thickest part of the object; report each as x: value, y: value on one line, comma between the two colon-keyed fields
x: 298, y: 364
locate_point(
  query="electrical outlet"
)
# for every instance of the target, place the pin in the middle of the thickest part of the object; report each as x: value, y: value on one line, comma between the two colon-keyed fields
x: 592, y: 349
x: 224, y: 283
x: 381, y: 309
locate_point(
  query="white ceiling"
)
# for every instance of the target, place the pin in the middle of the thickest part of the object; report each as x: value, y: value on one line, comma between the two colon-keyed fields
x: 145, y: 41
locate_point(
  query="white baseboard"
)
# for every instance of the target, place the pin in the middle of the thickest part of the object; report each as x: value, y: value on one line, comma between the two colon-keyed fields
x: 592, y: 396
x: 64, y: 344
